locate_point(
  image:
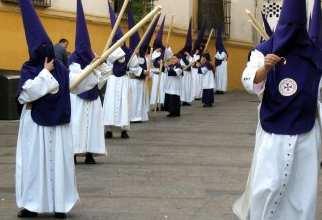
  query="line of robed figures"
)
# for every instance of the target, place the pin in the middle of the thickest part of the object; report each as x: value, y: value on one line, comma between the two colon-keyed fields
x: 61, y: 110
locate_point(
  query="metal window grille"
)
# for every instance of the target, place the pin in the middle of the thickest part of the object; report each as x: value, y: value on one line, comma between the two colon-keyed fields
x: 38, y: 3
x: 139, y: 7
x: 214, y: 13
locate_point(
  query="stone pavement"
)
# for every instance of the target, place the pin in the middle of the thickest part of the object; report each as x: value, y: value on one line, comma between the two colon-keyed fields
x: 191, y: 168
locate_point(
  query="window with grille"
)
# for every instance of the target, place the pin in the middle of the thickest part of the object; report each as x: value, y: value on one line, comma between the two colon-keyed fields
x: 139, y: 7
x: 39, y: 3
x: 214, y: 13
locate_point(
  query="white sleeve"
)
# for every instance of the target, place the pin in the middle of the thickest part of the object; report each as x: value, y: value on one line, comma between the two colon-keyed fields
x: 256, y: 61
x: 38, y: 87
x: 183, y: 64
x: 104, y: 71
x: 204, y: 70
x: 220, y: 56
x: 135, y: 70
x: 178, y: 71
x: 87, y: 84
x: 155, y: 70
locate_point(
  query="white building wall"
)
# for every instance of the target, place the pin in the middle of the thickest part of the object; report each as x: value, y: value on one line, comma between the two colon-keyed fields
x: 182, y: 9
x: 91, y: 7
x: 240, y: 29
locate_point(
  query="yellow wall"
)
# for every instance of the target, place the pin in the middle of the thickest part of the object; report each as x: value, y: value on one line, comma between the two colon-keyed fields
x: 13, y: 49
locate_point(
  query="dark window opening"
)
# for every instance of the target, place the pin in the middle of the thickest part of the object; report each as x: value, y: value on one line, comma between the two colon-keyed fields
x: 214, y: 13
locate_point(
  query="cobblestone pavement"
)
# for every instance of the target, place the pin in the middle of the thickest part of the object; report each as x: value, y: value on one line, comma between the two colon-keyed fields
x: 191, y: 168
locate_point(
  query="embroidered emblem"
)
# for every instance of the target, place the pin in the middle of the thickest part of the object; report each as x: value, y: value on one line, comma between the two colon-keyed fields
x: 287, y: 87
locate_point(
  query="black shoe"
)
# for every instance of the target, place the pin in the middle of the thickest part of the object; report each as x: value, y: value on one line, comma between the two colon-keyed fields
x: 108, y: 135
x: 136, y: 122
x: 186, y: 104
x: 60, y: 215
x: 89, y: 159
x: 321, y: 164
x: 125, y: 135
x: 24, y: 213
x: 162, y: 108
x: 170, y: 115
x: 75, y: 159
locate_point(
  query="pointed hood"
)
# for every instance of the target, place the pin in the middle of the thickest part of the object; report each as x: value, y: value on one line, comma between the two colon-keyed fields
x: 219, y: 41
x: 158, y: 42
x: 315, y: 23
x: 113, y: 18
x: 83, y: 54
x: 135, y: 38
x: 148, y: 37
x: 188, y: 45
x: 290, y: 30
x: 266, y: 26
x: 200, y: 37
x: 39, y: 44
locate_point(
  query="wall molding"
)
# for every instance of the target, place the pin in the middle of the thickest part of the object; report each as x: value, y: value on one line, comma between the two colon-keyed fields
x: 98, y: 20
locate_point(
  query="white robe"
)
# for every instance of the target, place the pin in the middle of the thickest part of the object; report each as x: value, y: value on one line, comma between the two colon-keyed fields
x: 139, y: 106
x: 157, y: 84
x: 45, y: 171
x: 87, y: 122
x: 173, y: 83
x: 196, y: 83
x: 186, y: 83
x: 208, y: 79
x: 221, y: 76
x: 116, y: 107
x: 283, y: 180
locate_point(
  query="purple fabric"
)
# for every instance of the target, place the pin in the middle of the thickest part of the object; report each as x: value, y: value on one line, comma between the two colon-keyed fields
x: 200, y: 37
x: 295, y: 114
x: 113, y: 18
x: 34, y: 30
x: 119, y: 69
x: 219, y: 45
x: 266, y: 26
x: 147, y: 39
x: 219, y: 41
x: 135, y: 38
x: 290, y: 30
x: 188, y: 44
x: 83, y: 54
x: 208, y: 96
x: 171, y: 69
x: 50, y: 110
x: 315, y: 24
x: 158, y: 42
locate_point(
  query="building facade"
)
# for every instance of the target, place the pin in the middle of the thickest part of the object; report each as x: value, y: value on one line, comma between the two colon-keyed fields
x: 59, y: 20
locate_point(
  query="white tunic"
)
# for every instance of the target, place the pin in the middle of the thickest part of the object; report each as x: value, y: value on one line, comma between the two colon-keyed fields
x: 186, y: 83
x: 196, y: 80
x: 45, y: 172
x: 221, y: 76
x: 139, y: 106
x: 158, y: 82
x: 173, y: 83
x: 116, y: 107
x: 208, y: 79
x: 283, y: 179
x: 158, y: 79
x: 87, y: 122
